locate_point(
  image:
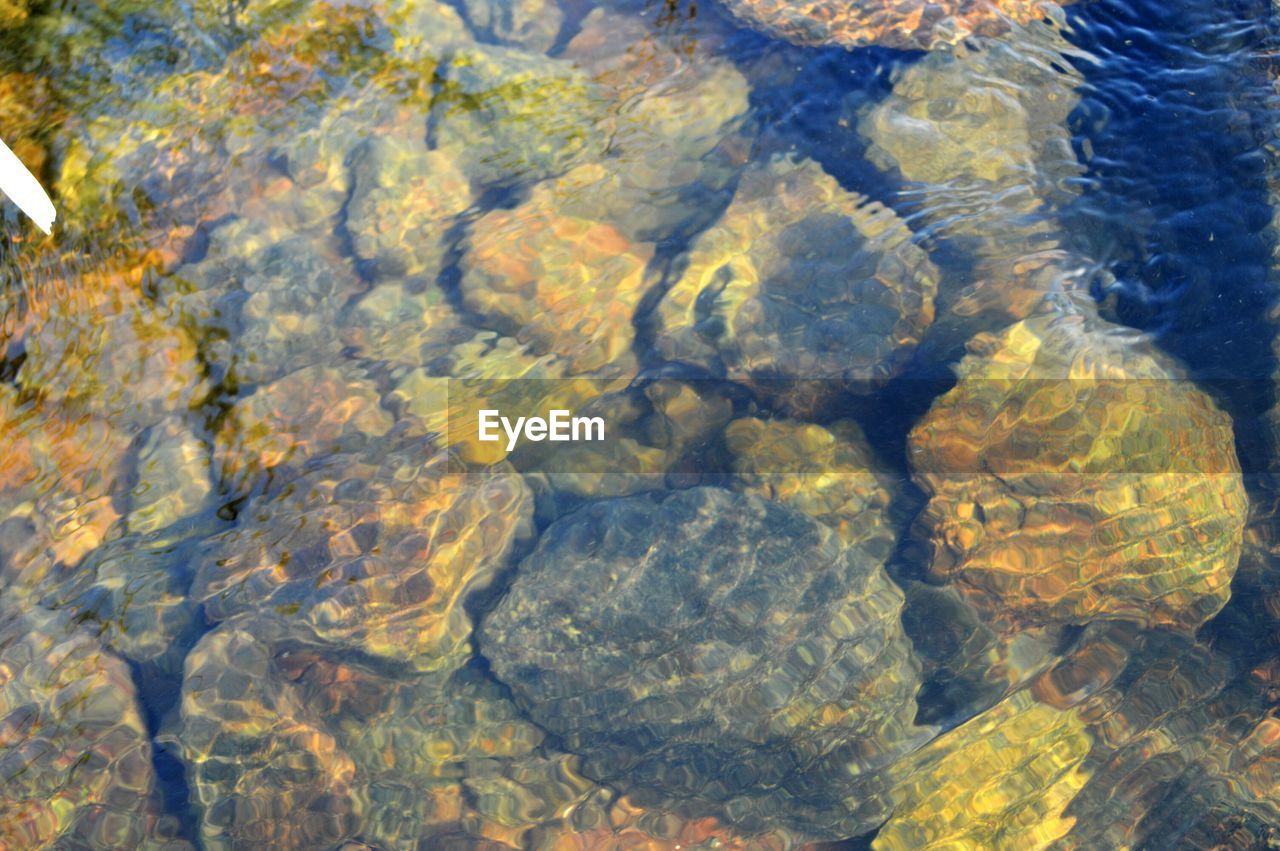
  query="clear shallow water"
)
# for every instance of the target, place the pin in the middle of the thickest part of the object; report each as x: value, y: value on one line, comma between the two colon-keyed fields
x: 295, y: 603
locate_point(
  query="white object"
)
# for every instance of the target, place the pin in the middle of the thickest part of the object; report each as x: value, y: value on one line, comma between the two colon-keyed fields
x: 24, y: 190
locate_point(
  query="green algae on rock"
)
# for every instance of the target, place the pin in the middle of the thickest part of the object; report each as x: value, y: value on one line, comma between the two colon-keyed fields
x: 75, y: 755
x: 1075, y: 474
x: 374, y: 549
x: 716, y: 649
x: 271, y: 81
x: 902, y: 24
x: 801, y: 288
x: 506, y: 117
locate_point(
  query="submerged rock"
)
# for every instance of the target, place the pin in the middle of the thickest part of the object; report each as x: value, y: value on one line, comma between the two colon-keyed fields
x: 1184, y: 749
x: 1000, y: 780
x: 531, y: 24
x: 802, y: 289
x: 565, y: 285
x: 172, y: 477
x: 375, y: 550
x: 1075, y: 474
x: 980, y: 137
x: 27, y: 112
x: 903, y: 24
x: 489, y: 372
x: 506, y: 117
x: 830, y: 474
x: 92, y: 342
x: 261, y: 83
x: 716, y: 649
x: 292, y: 746
x: 263, y: 300
x: 676, y: 117
x: 132, y: 591
x: 75, y: 755
x: 403, y: 200
x: 59, y: 481
x: 969, y: 666
x: 603, y: 820
x: 405, y: 323
x: 306, y: 415
x: 649, y: 432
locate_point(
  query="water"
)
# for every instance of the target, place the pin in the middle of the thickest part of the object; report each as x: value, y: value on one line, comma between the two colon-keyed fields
x: 936, y: 495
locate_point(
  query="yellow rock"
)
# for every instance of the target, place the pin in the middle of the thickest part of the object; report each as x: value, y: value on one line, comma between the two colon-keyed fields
x: 999, y: 781
x: 1075, y: 474
x: 828, y: 473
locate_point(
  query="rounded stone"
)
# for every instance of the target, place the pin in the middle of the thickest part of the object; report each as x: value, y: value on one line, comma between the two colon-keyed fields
x: 802, y: 288
x: 1074, y: 473
x: 377, y: 551
x: 716, y: 649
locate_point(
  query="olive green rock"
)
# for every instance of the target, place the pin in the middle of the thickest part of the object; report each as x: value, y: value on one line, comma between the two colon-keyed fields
x: 506, y: 117
x: 716, y: 649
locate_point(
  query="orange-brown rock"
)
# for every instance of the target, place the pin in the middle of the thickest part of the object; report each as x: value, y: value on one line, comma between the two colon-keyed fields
x: 376, y: 550
x: 1075, y: 474
x: 563, y: 284
x: 904, y: 24
x: 305, y: 415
